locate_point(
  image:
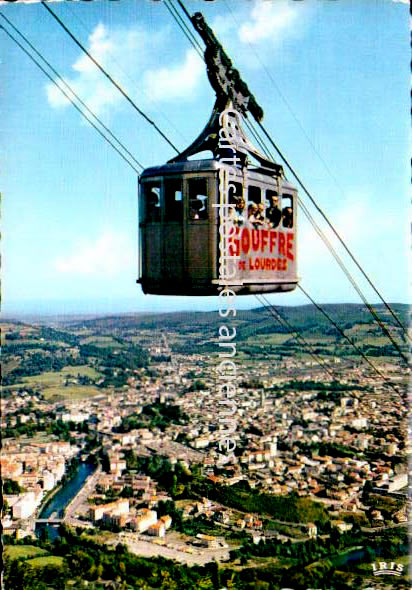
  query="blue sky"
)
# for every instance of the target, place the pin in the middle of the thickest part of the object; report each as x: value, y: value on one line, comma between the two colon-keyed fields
x: 332, y: 77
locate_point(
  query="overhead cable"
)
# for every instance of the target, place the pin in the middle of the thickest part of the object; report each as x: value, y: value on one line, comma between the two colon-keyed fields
x: 285, y: 323
x: 394, y: 315
x: 63, y: 81
x: 75, y: 14
x: 69, y: 98
x: 371, y: 309
x: 184, y: 28
x: 342, y: 333
x: 349, y: 276
x: 286, y: 102
x: 109, y: 77
x: 335, y: 232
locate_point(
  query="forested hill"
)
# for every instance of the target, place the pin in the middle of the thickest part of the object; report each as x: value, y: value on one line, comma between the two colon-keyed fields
x: 255, y: 329
x: 305, y: 318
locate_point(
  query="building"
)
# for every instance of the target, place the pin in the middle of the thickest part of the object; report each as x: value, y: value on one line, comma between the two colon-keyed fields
x: 116, y: 508
x: 312, y: 530
x: 118, y: 520
x: 221, y: 515
x: 145, y: 519
x: 167, y: 520
x: 157, y: 529
x: 210, y: 542
x: 341, y: 525
x: 25, y: 506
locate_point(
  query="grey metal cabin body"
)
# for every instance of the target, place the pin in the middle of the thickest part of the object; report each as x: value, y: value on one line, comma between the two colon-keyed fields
x: 179, y: 231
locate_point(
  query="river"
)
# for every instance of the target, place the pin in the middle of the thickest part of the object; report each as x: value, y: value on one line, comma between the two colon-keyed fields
x: 350, y: 556
x: 63, y: 497
x: 359, y: 554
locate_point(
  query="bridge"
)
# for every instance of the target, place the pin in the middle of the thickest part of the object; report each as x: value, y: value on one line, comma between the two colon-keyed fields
x: 49, y: 521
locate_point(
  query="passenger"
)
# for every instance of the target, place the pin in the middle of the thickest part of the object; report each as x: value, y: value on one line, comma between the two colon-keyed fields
x: 287, y: 217
x: 260, y: 216
x: 251, y: 212
x: 153, y: 207
x: 195, y: 205
x: 273, y: 213
x: 203, y: 209
x: 255, y: 216
x: 238, y: 214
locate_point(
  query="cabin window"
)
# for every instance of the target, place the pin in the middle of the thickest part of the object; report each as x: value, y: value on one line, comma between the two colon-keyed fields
x: 151, y: 192
x: 253, y: 194
x: 173, y: 200
x: 287, y: 210
x: 197, y: 190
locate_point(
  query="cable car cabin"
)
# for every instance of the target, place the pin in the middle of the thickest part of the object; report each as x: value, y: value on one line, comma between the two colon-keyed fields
x: 180, y: 242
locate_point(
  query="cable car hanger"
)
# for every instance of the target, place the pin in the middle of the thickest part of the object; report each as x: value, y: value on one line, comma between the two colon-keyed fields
x: 231, y: 93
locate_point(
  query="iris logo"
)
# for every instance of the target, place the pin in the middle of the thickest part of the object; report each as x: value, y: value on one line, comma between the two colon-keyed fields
x: 383, y: 568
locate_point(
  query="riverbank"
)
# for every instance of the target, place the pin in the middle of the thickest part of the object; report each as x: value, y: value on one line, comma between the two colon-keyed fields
x: 48, y: 497
x: 352, y: 554
x: 64, y: 496
x: 86, y: 487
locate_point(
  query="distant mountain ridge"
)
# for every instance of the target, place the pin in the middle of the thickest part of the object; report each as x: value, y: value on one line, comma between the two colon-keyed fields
x: 301, y: 316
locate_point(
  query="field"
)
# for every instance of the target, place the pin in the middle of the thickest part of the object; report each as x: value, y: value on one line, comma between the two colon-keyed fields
x: 12, y: 327
x: 70, y: 392
x: 104, y: 341
x: 54, y: 386
x: 82, y: 370
x: 102, y: 537
x: 17, y: 551
x: 10, y: 366
x: 46, y: 560
x: 268, y: 339
x: 37, y: 438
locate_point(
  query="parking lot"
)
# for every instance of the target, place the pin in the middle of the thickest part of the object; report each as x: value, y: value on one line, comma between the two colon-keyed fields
x: 170, y: 547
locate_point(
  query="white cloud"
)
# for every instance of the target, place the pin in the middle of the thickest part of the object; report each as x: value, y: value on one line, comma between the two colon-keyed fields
x: 100, y: 44
x: 55, y: 98
x: 261, y: 20
x: 367, y: 229
x: 358, y: 221
x: 267, y: 20
x: 252, y: 31
x: 131, y: 55
x: 117, y: 51
x: 177, y: 82
x: 128, y: 50
x: 347, y: 221
x: 107, y: 255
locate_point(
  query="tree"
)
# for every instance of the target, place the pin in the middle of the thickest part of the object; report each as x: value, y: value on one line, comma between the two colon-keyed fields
x: 206, y: 584
x: 99, y: 571
x: 12, y: 487
x: 167, y: 581
x: 80, y: 562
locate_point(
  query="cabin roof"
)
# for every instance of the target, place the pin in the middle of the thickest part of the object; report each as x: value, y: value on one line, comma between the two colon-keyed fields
x: 259, y: 174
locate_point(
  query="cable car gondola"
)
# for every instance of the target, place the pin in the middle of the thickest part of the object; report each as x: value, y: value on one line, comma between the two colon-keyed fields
x: 180, y: 203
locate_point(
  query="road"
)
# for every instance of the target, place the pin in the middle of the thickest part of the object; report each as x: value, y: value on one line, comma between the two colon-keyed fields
x: 378, y: 529
x: 81, y: 499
